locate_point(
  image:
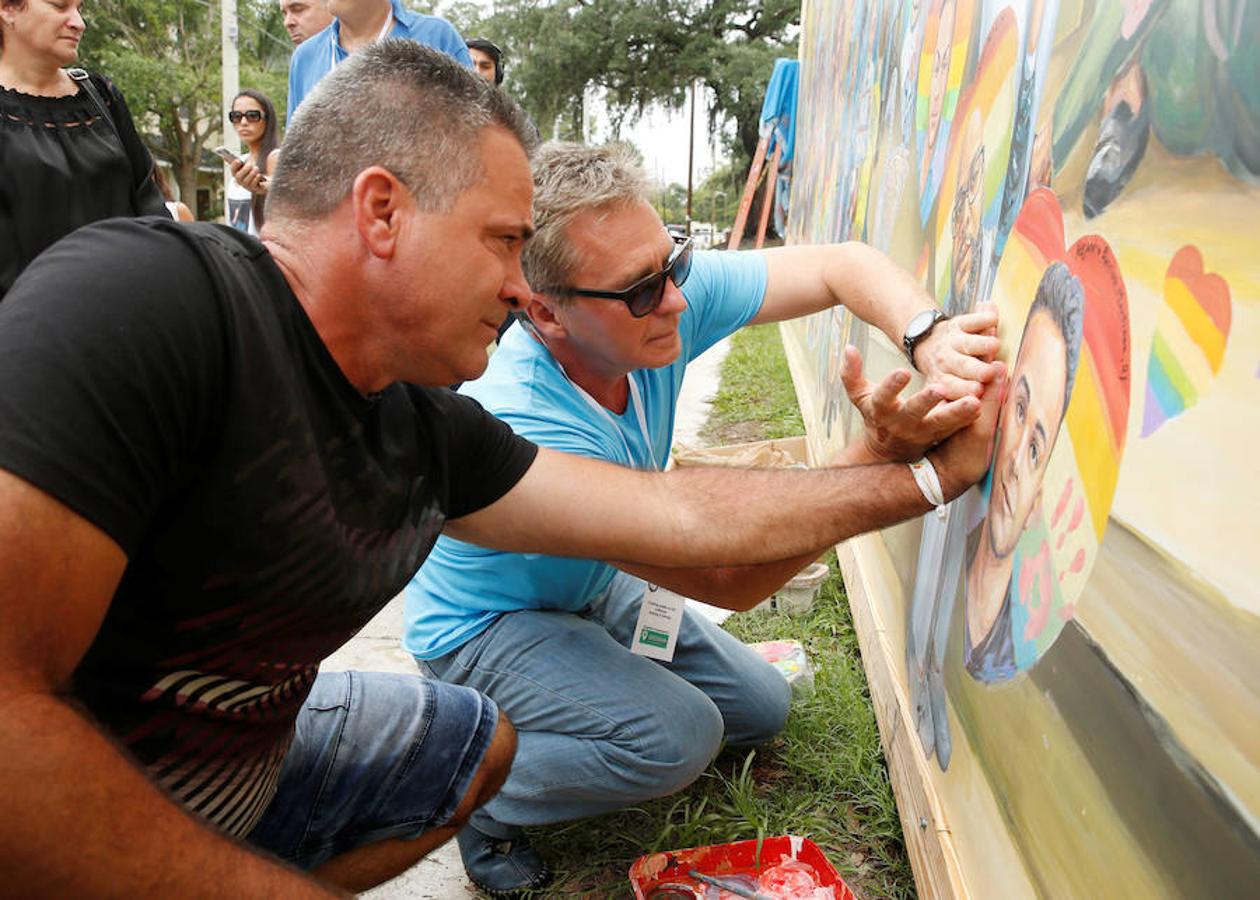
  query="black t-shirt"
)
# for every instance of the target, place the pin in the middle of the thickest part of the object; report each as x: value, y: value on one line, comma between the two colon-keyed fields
x: 163, y: 381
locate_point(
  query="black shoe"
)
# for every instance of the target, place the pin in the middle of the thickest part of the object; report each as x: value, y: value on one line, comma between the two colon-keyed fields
x: 502, y: 867
x: 1121, y: 145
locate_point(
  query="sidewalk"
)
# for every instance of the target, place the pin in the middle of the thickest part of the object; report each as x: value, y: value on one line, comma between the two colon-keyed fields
x: 440, y: 876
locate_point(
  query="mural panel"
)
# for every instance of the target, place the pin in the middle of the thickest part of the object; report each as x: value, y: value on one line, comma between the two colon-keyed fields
x: 1079, y: 637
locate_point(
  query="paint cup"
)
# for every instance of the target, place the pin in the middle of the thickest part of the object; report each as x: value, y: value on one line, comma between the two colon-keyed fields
x: 797, y: 596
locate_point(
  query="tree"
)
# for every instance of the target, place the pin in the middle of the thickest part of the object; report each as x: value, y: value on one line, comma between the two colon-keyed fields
x: 672, y: 204
x: 165, y: 57
x: 644, y: 53
x: 717, y: 197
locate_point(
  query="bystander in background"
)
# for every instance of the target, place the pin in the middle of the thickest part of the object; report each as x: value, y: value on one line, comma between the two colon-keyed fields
x: 487, y: 59
x: 305, y: 18
x: 254, y: 117
x: 179, y: 211
x: 358, y: 23
x: 70, y: 153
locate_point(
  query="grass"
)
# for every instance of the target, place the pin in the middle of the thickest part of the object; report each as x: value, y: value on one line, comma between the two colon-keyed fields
x: 756, y: 400
x: 824, y: 777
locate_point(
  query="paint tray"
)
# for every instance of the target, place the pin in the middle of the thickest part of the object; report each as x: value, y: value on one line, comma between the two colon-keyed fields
x: 651, y: 873
x: 789, y: 658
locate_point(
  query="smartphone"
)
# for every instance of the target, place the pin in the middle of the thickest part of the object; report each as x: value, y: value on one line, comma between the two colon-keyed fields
x: 227, y: 155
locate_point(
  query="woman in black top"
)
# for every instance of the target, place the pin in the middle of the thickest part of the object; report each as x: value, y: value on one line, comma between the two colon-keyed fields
x: 69, y: 152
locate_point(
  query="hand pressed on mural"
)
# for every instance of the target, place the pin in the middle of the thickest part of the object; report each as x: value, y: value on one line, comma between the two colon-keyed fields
x: 957, y: 435
x: 958, y: 356
x: 902, y: 429
x: 963, y: 458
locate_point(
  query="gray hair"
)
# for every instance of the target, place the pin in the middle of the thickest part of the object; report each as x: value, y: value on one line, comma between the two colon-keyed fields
x: 569, y: 179
x: 397, y: 104
x: 1061, y: 297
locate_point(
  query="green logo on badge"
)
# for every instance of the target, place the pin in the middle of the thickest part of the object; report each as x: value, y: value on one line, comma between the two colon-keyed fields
x: 654, y: 638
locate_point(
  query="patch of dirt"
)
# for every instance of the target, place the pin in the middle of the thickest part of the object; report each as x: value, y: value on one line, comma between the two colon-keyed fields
x: 766, y: 776
x: 735, y: 433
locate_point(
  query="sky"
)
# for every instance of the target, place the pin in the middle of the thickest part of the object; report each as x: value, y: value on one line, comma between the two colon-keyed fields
x: 661, y: 137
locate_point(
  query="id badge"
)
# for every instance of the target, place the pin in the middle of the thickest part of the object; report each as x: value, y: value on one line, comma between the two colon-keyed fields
x: 660, y: 617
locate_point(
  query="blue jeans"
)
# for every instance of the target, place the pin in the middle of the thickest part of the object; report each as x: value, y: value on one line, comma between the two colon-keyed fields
x: 375, y: 756
x: 599, y: 728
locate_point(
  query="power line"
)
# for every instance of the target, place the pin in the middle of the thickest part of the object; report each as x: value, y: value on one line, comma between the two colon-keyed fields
x: 254, y: 26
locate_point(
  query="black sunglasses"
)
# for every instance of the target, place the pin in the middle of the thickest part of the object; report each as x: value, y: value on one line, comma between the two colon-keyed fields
x: 253, y: 115
x: 647, y: 293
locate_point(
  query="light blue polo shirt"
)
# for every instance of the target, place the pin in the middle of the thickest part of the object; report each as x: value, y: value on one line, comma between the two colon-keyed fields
x: 461, y: 588
x: 314, y: 57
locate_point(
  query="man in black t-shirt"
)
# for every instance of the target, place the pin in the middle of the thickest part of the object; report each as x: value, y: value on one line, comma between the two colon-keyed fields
x: 216, y: 464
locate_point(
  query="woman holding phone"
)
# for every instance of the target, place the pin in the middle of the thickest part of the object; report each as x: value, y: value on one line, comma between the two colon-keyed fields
x: 254, y: 118
x: 69, y: 152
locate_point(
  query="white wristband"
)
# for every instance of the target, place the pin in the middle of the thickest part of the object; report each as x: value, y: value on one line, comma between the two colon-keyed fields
x: 925, y: 477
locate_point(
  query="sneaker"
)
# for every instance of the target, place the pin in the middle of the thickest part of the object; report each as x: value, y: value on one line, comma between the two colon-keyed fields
x: 502, y: 867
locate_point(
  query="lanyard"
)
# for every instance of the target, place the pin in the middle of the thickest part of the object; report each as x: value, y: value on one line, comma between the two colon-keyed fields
x: 636, y: 401
x: 335, y: 38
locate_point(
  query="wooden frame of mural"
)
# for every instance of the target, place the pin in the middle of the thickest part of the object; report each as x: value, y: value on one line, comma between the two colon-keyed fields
x: 1066, y: 668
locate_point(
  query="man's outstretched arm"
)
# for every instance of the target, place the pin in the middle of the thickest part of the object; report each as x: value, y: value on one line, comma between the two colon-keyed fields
x: 805, y: 278
x: 731, y: 587
x: 897, y: 430
x: 77, y: 816
x: 569, y: 506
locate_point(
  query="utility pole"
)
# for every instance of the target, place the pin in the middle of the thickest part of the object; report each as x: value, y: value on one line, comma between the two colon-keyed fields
x: 231, y: 78
x: 691, y: 152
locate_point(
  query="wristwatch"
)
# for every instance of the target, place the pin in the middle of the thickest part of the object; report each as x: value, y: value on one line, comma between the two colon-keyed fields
x: 918, y: 330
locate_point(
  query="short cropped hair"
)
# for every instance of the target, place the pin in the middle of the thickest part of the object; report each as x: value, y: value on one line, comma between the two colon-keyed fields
x: 397, y: 104
x: 1061, y: 297
x: 569, y: 179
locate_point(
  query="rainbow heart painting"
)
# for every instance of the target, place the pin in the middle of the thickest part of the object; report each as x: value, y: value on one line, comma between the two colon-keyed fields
x: 1189, y: 341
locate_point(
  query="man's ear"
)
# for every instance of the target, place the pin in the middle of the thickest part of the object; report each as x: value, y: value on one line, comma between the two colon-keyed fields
x: 380, y: 202
x: 541, y: 311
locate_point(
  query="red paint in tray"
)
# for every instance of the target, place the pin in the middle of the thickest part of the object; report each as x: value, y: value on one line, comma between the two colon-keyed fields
x: 788, y: 868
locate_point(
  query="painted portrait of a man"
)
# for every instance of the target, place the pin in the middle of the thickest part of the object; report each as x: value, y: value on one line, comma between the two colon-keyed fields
x: 1028, y: 427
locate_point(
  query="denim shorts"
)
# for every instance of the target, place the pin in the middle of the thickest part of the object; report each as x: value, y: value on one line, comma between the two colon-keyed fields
x: 375, y: 756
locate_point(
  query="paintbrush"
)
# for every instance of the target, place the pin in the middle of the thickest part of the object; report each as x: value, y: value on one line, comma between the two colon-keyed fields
x: 730, y: 886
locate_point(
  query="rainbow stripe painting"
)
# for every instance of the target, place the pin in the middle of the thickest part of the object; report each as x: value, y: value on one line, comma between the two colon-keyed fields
x: 1188, y: 346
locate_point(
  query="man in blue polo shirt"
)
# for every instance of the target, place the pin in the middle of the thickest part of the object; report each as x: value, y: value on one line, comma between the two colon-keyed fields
x: 619, y: 309
x: 356, y: 24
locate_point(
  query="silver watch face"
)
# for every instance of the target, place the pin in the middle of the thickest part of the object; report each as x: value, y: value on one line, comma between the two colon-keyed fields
x: 921, y: 322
